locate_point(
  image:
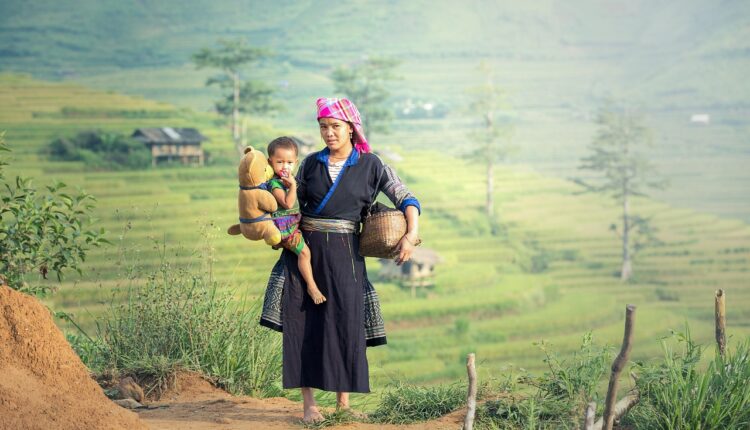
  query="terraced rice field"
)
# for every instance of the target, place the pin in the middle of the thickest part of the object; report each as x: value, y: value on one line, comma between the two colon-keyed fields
x: 550, y: 275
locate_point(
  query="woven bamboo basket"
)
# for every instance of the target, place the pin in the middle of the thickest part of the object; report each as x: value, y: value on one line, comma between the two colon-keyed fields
x: 381, y: 232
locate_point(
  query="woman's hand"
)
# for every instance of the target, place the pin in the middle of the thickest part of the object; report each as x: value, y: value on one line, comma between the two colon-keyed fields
x: 406, y: 247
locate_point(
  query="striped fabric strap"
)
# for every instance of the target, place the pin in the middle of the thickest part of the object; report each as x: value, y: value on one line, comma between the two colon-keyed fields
x: 262, y: 186
x: 264, y: 217
x: 329, y: 225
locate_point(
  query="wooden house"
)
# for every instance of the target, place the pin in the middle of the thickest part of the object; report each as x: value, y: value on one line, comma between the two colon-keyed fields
x: 418, y: 272
x: 305, y: 144
x: 172, y: 144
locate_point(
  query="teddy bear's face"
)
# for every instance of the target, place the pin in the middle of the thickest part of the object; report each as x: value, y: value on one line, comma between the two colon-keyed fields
x: 254, y: 169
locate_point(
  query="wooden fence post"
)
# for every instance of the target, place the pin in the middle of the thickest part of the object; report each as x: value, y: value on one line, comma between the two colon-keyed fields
x: 590, y: 416
x: 472, y: 400
x: 617, y: 366
x: 721, y: 321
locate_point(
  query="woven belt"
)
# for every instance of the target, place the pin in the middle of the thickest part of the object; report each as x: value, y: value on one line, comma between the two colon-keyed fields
x: 329, y: 225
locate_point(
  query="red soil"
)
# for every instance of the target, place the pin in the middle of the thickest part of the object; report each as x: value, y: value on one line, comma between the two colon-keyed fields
x: 195, y: 404
x: 43, y: 383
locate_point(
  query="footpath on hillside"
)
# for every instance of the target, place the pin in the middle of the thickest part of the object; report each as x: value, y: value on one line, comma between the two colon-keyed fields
x: 195, y: 404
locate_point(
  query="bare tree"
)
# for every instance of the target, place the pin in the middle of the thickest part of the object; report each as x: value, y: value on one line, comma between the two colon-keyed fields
x: 624, y: 172
x: 492, y: 139
x: 248, y: 96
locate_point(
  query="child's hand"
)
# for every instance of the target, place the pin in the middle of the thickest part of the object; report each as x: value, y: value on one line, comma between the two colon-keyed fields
x: 288, y: 181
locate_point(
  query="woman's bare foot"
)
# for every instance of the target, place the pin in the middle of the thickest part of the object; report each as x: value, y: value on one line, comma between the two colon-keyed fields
x: 342, y: 400
x: 342, y: 404
x: 313, y: 415
x: 316, y: 295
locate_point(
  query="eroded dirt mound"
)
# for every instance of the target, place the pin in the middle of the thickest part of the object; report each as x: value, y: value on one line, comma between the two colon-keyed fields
x: 43, y: 383
x: 191, y: 386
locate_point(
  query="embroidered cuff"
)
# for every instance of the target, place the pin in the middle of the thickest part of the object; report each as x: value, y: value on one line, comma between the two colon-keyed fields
x: 410, y: 202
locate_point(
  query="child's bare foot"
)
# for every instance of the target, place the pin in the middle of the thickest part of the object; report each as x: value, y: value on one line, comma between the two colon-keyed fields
x: 312, y: 415
x: 316, y: 295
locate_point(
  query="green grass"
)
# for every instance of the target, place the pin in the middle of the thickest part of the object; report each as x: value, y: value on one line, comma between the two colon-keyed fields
x: 176, y: 318
x: 406, y: 404
x: 677, y: 392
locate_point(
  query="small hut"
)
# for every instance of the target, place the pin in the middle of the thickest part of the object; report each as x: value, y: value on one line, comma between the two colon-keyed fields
x: 168, y: 144
x: 418, y: 272
x: 305, y: 144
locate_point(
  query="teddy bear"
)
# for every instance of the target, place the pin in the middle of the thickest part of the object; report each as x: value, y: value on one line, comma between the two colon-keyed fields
x: 254, y: 201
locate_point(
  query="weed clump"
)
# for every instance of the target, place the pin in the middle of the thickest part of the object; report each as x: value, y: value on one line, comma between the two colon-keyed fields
x: 557, y: 398
x: 180, y: 319
x: 680, y: 393
x: 406, y: 403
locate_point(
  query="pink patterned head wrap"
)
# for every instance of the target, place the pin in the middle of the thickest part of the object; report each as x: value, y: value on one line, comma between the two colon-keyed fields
x: 344, y: 110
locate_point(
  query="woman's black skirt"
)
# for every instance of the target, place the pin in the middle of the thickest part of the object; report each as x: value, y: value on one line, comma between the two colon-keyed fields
x: 324, y: 345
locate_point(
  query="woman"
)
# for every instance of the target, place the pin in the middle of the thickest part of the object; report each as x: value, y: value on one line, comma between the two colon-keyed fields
x: 325, y: 344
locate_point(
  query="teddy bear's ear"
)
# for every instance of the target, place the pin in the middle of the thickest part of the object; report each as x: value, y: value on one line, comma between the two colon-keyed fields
x: 234, y: 230
x: 249, y: 149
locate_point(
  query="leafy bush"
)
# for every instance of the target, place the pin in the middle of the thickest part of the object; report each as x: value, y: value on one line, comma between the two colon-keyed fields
x: 42, y: 232
x: 677, y: 394
x: 177, y: 318
x: 405, y: 403
x: 99, y: 149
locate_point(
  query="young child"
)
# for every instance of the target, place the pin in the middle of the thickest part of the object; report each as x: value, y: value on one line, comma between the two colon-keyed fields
x: 282, y: 156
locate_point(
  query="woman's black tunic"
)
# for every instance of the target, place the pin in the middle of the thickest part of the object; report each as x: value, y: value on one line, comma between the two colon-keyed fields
x: 324, y: 345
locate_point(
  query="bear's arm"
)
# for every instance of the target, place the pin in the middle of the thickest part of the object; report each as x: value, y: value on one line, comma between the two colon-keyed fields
x: 267, y: 202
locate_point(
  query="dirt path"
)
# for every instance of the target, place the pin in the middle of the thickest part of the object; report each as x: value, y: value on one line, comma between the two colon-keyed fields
x: 197, y: 405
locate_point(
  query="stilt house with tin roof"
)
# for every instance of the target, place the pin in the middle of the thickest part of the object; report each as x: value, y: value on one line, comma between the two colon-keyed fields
x: 418, y: 272
x: 172, y: 144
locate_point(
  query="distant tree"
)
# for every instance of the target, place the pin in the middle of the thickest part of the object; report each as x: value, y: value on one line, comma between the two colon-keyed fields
x: 242, y: 96
x: 42, y: 232
x: 616, y: 155
x: 366, y: 84
x: 99, y: 149
x: 492, y: 138
x: 255, y: 97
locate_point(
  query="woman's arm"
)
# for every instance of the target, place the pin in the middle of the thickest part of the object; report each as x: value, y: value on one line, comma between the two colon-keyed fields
x: 395, y: 189
x: 407, y: 243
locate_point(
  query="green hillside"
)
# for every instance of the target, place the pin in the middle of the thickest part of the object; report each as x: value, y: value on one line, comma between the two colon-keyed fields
x: 556, y: 62
x: 551, y: 277
x: 632, y: 45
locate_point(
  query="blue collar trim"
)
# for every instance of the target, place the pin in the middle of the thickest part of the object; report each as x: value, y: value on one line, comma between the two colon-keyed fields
x: 351, y: 161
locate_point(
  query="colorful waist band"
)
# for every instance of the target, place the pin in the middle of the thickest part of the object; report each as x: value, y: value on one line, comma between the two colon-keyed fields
x: 329, y: 225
